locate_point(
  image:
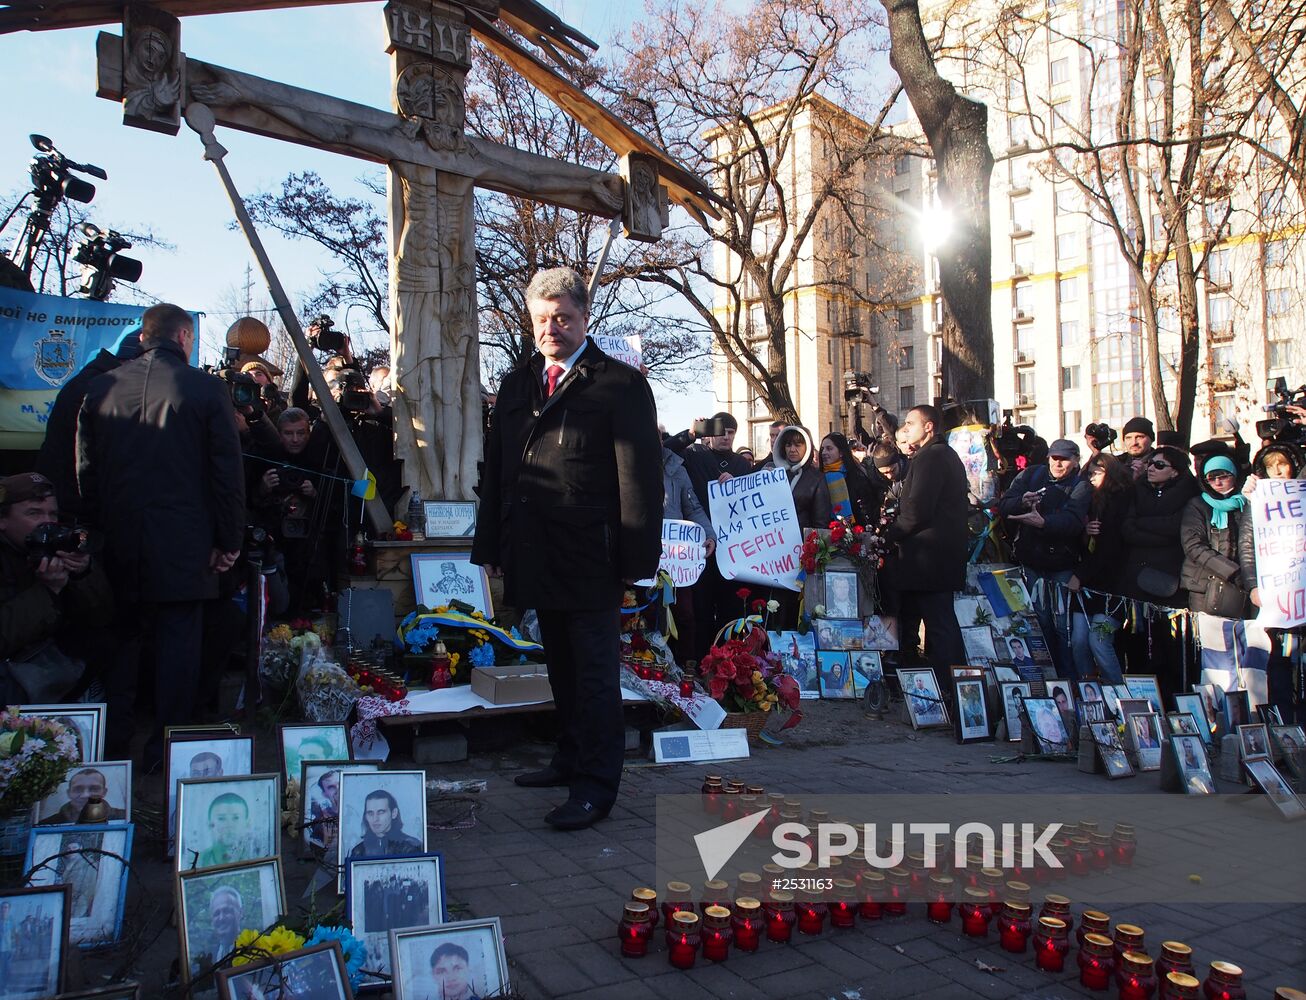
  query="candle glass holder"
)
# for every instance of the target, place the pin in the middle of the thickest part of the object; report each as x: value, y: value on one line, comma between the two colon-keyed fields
x: 1224, y: 982
x: 1181, y: 986
x: 812, y: 912
x: 683, y: 938
x: 1051, y: 944
x: 649, y: 898
x: 895, y: 899
x: 717, y: 933
x: 1124, y: 844
x: 1093, y: 922
x: 1014, y: 927
x: 635, y: 931
x: 715, y: 892
x: 1102, y: 851
x: 1175, y: 957
x: 1058, y: 906
x: 748, y: 884
x: 1135, y: 977
x: 975, y: 912
x: 843, y: 911
x: 1128, y: 937
x: 678, y: 896
x: 872, y: 888
x: 1095, y: 962
x: 992, y: 879
x: 747, y: 923
x: 938, y: 907
x: 1081, y: 853
x: 780, y: 917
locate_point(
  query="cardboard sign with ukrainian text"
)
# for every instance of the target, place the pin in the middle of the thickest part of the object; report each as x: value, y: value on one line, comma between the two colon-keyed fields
x: 684, y: 552
x: 625, y: 348
x: 758, y: 539
x: 1279, y: 534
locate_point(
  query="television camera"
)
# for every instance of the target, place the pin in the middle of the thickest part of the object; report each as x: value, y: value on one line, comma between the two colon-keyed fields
x: 1284, y: 426
x: 102, y: 264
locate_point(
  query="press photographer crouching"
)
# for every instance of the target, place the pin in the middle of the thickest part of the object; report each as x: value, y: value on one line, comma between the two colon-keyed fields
x: 55, y: 601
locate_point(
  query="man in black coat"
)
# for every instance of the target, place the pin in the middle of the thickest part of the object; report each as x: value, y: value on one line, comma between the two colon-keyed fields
x: 930, y: 532
x: 571, y: 512
x: 159, y: 468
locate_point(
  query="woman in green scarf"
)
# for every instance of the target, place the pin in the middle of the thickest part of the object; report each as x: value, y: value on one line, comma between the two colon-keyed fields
x: 1209, y: 533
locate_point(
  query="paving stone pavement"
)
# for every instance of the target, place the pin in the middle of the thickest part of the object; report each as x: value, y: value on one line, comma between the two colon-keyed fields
x: 559, y: 895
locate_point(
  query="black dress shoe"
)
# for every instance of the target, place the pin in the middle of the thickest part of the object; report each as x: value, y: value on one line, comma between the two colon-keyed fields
x: 575, y: 814
x: 549, y: 777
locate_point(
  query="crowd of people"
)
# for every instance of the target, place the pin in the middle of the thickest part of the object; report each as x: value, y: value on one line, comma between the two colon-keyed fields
x: 173, y: 479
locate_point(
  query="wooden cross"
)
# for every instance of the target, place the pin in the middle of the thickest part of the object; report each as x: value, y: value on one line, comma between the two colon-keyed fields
x: 434, y: 168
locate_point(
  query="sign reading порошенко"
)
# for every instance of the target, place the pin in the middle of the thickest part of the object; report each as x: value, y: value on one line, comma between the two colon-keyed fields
x: 758, y: 538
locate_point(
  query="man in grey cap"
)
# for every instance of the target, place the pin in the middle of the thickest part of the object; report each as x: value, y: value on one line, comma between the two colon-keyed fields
x: 1047, y: 506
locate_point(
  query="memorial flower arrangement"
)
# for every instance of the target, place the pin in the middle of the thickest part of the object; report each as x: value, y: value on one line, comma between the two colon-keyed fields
x: 257, y: 946
x: 470, y: 639
x: 354, y: 950
x: 842, y: 540
x: 744, y: 676
x: 35, y: 755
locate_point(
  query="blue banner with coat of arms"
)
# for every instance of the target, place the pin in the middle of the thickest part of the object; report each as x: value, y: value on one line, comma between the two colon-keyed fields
x: 44, y: 341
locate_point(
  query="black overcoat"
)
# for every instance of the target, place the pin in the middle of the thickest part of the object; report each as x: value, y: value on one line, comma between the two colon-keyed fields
x: 931, y: 529
x: 159, y: 468
x: 571, y: 490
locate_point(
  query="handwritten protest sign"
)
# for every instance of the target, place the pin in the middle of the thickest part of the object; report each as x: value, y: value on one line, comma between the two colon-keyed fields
x: 684, y: 552
x: 757, y: 534
x: 1279, y: 533
x: 625, y: 348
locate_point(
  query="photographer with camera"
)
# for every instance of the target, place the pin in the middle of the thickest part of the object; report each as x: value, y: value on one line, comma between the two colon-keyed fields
x: 54, y: 599
x: 1099, y: 437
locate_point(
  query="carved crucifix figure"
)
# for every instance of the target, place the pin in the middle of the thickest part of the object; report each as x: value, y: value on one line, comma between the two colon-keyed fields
x: 433, y: 171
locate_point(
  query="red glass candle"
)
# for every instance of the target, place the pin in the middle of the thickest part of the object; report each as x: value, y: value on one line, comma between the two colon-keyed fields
x: 715, y: 892
x: 970, y: 875
x: 758, y: 790
x: 649, y: 898
x: 1059, y: 907
x: 1101, y: 859
x: 1051, y: 944
x: 730, y: 804
x: 872, y: 887
x: 1095, y: 962
x: 776, y: 800
x: 1225, y: 982
x: 769, y: 875
x: 812, y: 911
x: 938, y: 906
x: 1135, y: 976
x: 1124, y: 844
x: 843, y: 911
x: 895, y: 898
x: 1128, y: 937
x: 1093, y: 922
x: 1088, y: 827
x: 992, y: 880
x: 683, y: 939
x: 1288, y: 993
x: 1081, y: 853
x: 1014, y: 927
x: 1182, y: 986
x: 780, y: 916
x: 749, y: 885
x: 712, y: 793
x: 975, y: 912
x: 919, y: 877
x: 686, y: 688
x: 717, y: 933
x: 1065, y: 860
x: 1017, y: 891
x: 679, y: 896
x: 747, y: 923
x: 634, y: 931
x: 1175, y: 957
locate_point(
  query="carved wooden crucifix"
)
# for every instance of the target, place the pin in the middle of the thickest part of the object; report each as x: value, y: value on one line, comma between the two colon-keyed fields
x: 434, y: 168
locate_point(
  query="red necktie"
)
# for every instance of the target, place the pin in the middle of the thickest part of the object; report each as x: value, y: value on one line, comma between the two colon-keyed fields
x: 554, y: 372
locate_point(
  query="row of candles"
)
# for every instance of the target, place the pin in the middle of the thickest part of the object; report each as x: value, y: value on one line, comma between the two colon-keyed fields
x: 713, y: 926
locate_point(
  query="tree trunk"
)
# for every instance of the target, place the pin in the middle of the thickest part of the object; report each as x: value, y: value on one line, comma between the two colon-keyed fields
x: 957, y: 130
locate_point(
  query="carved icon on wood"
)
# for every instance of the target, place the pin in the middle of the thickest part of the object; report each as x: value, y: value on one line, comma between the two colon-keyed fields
x: 151, y: 70
x: 643, y: 215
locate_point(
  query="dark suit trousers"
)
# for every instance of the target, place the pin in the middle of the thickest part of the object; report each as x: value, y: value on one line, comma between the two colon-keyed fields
x: 581, y: 650
x: 943, y: 644
x: 173, y: 630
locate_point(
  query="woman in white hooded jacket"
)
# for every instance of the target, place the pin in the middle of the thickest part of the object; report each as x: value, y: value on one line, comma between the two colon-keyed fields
x: 793, y: 452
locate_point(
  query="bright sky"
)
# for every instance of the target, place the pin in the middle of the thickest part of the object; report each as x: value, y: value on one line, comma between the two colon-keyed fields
x: 160, y: 182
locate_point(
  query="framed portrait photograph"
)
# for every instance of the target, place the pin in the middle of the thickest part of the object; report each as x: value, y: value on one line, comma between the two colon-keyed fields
x: 1192, y: 763
x: 1269, y: 714
x: 1237, y: 710
x: 841, y: 594
x: 1270, y: 781
x: 223, y: 821
x: 382, y: 815
x: 216, y: 730
x: 311, y: 741
x: 1018, y: 651
x: 319, y: 782
x: 110, y: 780
x: 1143, y: 735
x: 1111, y: 694
x: 317, y: 971
x: 1291, y: 742
x: 1048, y: 727
x: 1253, y: 741
x: 798, y: 655
x: 86, y: 722
x: 880, y: 632
x: 1145, y: 686
x: 214, y: 905
x: 34, y: 924
x: 848, y: 633
x: 1183, y: 724
x: 977, y: 640
x: 867, y: 668
x: 920, y: 690
x: 450, y: 518
x: 1134, y: 706
x: 1192, y: 704
x: 1114, y: 758
x: 90, y: 860
x: 387, y: 894
x: 1063, y: 693
x: 1013, y: 695
x: 972, y: 714
x: 1213, y: 703
x: 1005, y: 673
x: 452, y: 960
x: 836, y: 675
x: 439, y: 578
x: 202, y: 757
x: 1089, y: 691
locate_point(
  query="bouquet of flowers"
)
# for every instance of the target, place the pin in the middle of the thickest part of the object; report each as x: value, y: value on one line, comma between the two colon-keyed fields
x: 843, y: 540
x: 256, y: 946
x: 744, y: 676
x: 35, y: 755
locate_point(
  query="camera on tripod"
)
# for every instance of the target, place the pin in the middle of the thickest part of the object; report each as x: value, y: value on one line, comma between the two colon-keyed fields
x: 1283, y: 427
x: 102, y: 264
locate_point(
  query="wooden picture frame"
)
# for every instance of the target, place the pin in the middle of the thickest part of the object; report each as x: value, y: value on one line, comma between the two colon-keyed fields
x: 315, y: 832
x: 1014, y: 694
x: 1291, y: 743
x: 482, y: 939
x: 1253, y: 741
x: 442, y: 577
x: 363, y: 914
x: 923, y: 697
x: 313, y: 964
x: 1192, y: 704
x: 1047, y: 725
x: 49, y: 902
x: 1183, y: 724
x: 1114, y: 759
x: 234, y: 755
x: 194, y: 888
x: 1143, y: 736
x: 204, y: 841
x: 63, y: 806
x: 407, y: 792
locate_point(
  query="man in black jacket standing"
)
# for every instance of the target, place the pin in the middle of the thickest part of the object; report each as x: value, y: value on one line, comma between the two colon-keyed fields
x: 159, y: 468
x: 930, y: 532
x: 571, y: 512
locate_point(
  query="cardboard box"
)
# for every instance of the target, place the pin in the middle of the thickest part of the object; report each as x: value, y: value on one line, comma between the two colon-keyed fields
x: 520, y: 682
